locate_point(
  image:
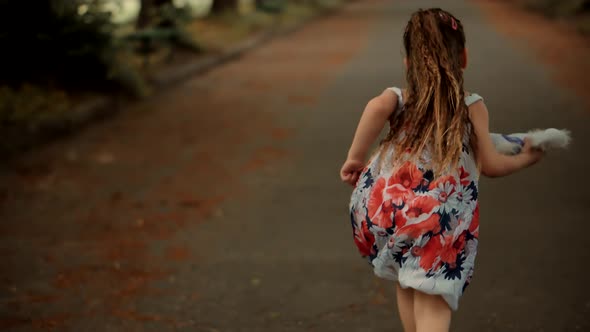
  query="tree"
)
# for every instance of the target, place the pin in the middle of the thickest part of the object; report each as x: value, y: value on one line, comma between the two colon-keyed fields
x: 149, y: 10
x: 161, y: 24
x: 223, y: 5
x: 55, y: 41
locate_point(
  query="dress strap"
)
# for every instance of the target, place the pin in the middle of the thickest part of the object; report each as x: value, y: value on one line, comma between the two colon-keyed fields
x: 400, y: 98
x: 472, y: 99
x: 469, y: 100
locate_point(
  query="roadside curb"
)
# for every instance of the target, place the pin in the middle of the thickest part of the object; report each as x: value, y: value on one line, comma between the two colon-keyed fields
x: 180, y: 73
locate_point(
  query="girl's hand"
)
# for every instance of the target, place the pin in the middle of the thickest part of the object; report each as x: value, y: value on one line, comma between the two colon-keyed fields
x: 533, y: 154
x: 493, y: 163
x: 351, y: 170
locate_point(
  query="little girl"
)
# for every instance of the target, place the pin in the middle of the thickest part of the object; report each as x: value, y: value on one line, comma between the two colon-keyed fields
x: 414, y: 209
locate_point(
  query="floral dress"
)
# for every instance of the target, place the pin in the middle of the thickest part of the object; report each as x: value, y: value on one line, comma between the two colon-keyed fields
x: 416, y: 228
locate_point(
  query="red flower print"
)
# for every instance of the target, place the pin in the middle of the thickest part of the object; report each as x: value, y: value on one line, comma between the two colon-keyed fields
x: 451, y: 249
x: 387, y: 207
x: 376, y: 198
x: 460, y: 241
x: 464, y: 177
x: 384, y: 218
x: 416, y: 210
x: 364, y: 239
x: 448, y: 179
x: 380, y: 211
x: 391, y: 242
x: 408, y: 176
x: 415, y: 230
x: 399, y: 194
x: 402, y: 182
x: 430, y: 253
x: 474, y: 226
x: 419, y: 206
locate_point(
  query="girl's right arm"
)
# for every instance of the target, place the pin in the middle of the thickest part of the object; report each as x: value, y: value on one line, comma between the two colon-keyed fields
x: 493, y: 163
x: 374, y: 118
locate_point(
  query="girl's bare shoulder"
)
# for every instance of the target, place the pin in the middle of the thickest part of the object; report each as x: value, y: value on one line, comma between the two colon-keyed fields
x: 387, y: 100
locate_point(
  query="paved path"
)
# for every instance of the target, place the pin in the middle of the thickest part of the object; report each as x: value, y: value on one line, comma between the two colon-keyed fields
x: 217, y: 206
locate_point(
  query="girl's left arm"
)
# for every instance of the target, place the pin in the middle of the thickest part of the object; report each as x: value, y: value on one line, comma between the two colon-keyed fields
x: 372, y: 121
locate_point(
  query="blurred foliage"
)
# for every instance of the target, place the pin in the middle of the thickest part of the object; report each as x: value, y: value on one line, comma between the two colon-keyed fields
x: 55, y: 52
x: 223, y: 28
x: 26, y: 110
x: 560, y: 7
x: 74, y: 44
x: 277, y: 6
x: 576, y: 12
x: 163, y: 27
x: 271, y: 6
x: 54, y: 42
x: 30, y: 106
x: 224, y: 5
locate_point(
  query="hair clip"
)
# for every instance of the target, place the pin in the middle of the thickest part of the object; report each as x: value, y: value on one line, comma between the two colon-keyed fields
x: 445, y: 18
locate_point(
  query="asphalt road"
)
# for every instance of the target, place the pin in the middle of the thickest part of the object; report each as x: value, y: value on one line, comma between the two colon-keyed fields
x: 217, y: 206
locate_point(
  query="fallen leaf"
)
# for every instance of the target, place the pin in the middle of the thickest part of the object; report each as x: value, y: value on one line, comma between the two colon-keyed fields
x: 190, y: 203
x: 71, y: 155
x: 105, y: 158
x: 255, y: 281
x: 218, y: 213
x: 116, y: 196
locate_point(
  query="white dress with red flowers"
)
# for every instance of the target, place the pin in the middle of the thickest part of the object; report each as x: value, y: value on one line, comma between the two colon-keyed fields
x: 415, y: 228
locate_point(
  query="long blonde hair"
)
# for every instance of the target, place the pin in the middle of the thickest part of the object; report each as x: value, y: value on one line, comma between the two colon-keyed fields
x: 435, y: 114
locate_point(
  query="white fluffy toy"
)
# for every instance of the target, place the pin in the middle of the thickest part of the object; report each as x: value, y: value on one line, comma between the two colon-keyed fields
x: 544, y: 139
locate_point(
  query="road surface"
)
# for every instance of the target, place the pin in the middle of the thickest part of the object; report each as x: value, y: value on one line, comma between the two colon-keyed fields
x: 216, y: 206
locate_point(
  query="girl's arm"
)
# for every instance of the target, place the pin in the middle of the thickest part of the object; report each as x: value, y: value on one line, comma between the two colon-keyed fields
x: 493, y: 163
x: 372, y: 121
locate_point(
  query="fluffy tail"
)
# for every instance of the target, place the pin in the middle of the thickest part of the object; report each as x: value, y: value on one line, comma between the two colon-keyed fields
x: 544, y: 139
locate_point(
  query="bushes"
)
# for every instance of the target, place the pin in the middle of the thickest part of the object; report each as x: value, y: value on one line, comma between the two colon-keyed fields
x: 61, y: 42
x: 58, y: 50
x: 54, y: 51
x: 73, y: 44
x: 161, y: 24
x: 30, y: 106
x: 26, y: 110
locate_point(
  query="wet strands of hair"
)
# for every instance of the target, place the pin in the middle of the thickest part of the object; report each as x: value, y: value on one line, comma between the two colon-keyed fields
x: 435, y: 117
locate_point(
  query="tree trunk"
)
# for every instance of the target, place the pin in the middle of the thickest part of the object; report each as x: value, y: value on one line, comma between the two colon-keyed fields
x: 148, y: 10
x: 222, y: 5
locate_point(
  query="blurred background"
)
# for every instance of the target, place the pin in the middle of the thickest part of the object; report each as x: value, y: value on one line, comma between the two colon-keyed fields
x: 172, y: 165
x: 113, y: 48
